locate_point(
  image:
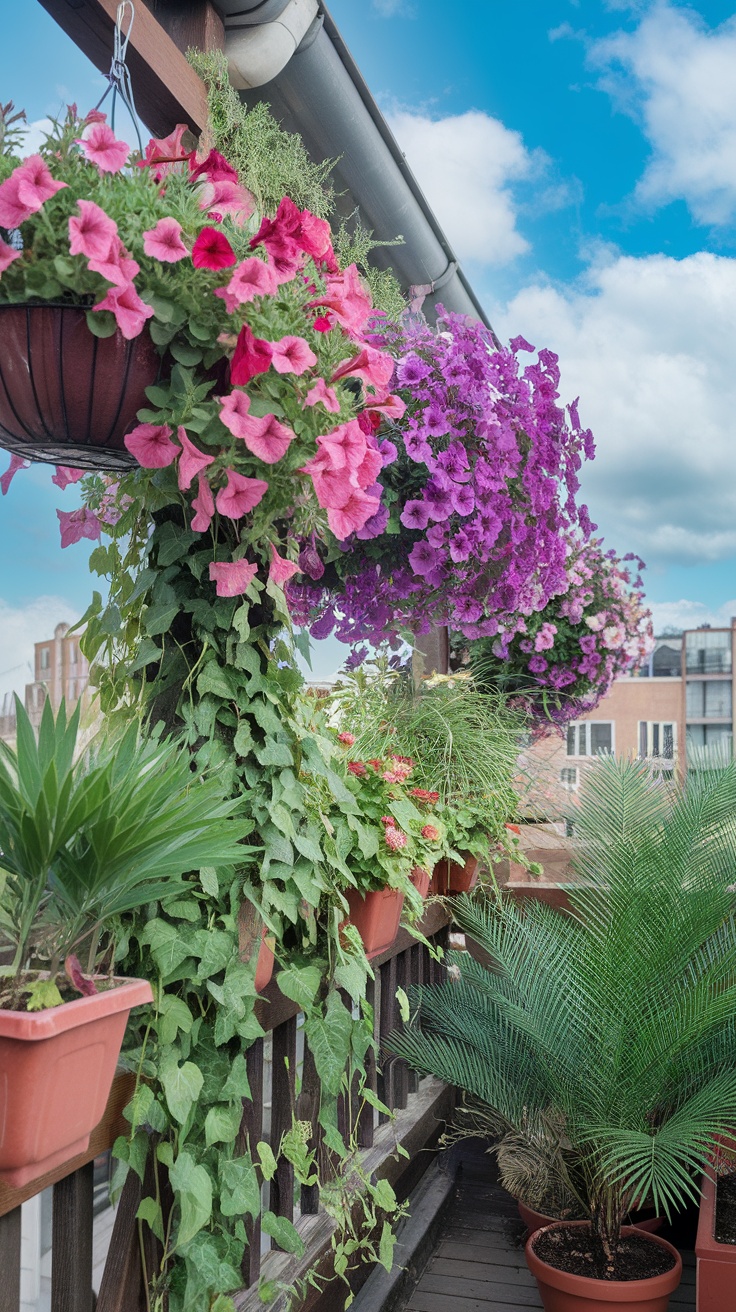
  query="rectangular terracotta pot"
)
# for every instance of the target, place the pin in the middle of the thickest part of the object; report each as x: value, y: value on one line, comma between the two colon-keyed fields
x: 715, y: 1280
x: 56, y: 1072
x: 421, y: 879
x: 376, y: 917
x: 451, y: 877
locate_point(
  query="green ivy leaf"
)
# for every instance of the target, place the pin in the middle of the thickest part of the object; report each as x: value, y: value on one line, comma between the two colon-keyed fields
x: 174, y: 1015
x: 240, y: 1191
x: 403, y: 1002
x: 329, y: 1042
x: 267, y: 1160
x: 285, y: 1234
x: 386, y: 1247
x: 300, y: 984
x: 237, y: 1084
x: 182, y: 1085
x: 193, y: 1188
x: 139, y: 1106
x: 150, y: 1212
x: 221, y: 1124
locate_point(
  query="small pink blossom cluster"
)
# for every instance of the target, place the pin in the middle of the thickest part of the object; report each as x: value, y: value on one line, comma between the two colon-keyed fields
x: 400, y: 767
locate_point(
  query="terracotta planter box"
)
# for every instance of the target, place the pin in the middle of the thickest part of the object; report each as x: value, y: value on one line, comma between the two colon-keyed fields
x: 451, y: 877
x: 66, y: 396
x: 264, y: 965
x: 561, y: 1291
x: 716, y: 1263
x: 421, y: 879
x: 376, y: 917
x: 56, y: 1071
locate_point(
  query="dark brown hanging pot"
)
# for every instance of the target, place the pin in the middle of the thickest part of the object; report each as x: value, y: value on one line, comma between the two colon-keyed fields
x: 66, y: 396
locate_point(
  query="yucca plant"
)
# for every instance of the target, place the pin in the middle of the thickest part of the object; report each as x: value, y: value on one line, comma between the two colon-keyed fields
x: 85, y: 841
x: 616, y: 1024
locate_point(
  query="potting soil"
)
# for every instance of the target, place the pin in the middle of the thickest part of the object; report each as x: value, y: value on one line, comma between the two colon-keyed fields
x: 573, y: 1251
x: 725, y: 1223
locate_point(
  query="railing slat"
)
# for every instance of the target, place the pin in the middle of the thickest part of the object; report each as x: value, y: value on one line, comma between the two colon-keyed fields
x: 121, y: 1287
x: 401, y: 1069
x: 282, y: 1102
x: 251, y: 1131
x: 308, y: 1110
x: 10, y: 1261
x: 71, y: 1245
x: 366, y: 1117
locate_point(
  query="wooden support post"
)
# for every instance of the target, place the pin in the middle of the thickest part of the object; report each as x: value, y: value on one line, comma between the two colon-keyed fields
x: 121, y: 1287
x: 308, y: 1110
x: 251, y: 1132
x: 401, y: 1072
x: 283, y: 1083
x: 414, y: 972
x: 166, y: 88
x: 10, y: 1261
x: 71, y: 1244
x: 190, y: 23
x: 366, y: 1118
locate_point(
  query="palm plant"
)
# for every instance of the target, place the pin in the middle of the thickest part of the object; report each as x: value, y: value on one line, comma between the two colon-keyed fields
x: 618, y: 1023
x: 83, y: 842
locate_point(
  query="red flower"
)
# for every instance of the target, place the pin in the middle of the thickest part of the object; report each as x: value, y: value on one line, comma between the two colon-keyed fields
x: 395, y: 839
x: 388, y: 820
x: 212, y: 250
x: 424, y: 795
x: 377, y: 765
x: 357, y: 768
x: 216, y: 168
x: 347, y: 738
x: 430, y: 833
x: 252, y: 356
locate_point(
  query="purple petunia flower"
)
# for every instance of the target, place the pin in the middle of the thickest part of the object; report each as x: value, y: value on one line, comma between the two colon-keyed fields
x: 422, y: 558
x: 415, y: 515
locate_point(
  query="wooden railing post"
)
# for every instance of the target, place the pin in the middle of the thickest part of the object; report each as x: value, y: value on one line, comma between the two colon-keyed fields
x: 283, y: 1084
x: 251, y: 1132
x: 10, y: 1261
x: 71, y: 1246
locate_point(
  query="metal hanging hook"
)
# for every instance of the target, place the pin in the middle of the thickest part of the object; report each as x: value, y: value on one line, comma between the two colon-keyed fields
x: 119, y: 80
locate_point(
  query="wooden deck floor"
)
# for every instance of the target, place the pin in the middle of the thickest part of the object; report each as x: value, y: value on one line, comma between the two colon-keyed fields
x: 478, y: 1264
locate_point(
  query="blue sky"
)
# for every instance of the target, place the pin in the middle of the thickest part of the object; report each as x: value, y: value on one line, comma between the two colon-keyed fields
x: 582, y: 158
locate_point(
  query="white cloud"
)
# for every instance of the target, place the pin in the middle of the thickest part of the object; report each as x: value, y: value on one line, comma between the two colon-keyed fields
x: 35, y: 135
x: 647, y: 344
x: 690, y: 615
x: 466, y: 165
x: 20, y: 628
x: 676, y: 76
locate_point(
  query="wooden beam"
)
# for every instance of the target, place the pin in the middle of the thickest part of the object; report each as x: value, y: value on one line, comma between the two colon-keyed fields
x: 167, y: 90
x: 195, y: 23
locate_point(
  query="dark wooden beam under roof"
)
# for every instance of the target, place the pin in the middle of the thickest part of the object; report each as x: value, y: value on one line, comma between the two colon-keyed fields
x: 167, y: 90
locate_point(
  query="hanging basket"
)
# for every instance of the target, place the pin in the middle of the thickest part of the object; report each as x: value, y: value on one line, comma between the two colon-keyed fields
x: 66, y: 396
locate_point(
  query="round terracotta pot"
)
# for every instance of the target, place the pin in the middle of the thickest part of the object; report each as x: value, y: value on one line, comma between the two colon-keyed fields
x: 376, y: 917
x: 66, y: 396
x: 421, y: 879
x: 264, y: 965
x: 451, y: 877
x: 561, y: 1291
x: 56, y: 1072
x: 536, y: 1220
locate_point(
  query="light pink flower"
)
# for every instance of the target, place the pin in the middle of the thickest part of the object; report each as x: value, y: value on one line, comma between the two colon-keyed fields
x: 7, y: 255
x: 395, y: 838
x: 234, y: 411
x: 233, y: 577
x: 103, y: 148
x: 347, y: 299
x: 281, y: 570
x: 16, y: 463
x: 129, y: 310
x: 369, y: 468
x: 292, y: 355
x: 227, y: 197
x: 164, y: 241
x: 374, y: 367
x: 165, y: 154
x: 78, y: 524
x: 240, y: 495
x: 356, y: 512
x: 117, y: 267
x: 321, y: 394
x: 191, y: 461
x: 151, y: 445
x: 204, y: 504
x: 264, y: 436
x: 251, y: 278
x: 66, y: 474
x: 92, y: 232
x: 392, y: 406
x: 26, y: 190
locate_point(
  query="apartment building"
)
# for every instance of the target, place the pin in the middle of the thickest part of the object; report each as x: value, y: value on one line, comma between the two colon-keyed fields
x: 59, y: 671
x: 676, y: 711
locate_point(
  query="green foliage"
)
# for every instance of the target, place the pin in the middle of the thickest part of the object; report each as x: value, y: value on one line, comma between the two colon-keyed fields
x: 84, y: 843
x: 618, y: 1025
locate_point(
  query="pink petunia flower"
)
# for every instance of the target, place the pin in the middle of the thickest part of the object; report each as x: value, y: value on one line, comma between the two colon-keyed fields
x: 129, y: 310
x: 264, y: 436
x: 212, y: 250
x: 29, y: 186
x: 7, y: 255
x: 292, y: 355
x: 252, y: 356
x: 233, y: 577
x: 117, y: 267
x: 204, y: 504
x: 375, y: 368
x: 281, y: 570
x: 164, y: 242
x: 253, y: 277
x: 162, y: 155
x: 151, y: 445
x: 16, y: 463
x: 103, y: 148
x: 240, y: 495
x: 321, y: 394
x: 391, y: 406
x: 78, y: 524
x: 191, y: 461
x: 358, y: 509
x: 347, y: 299
x: 227, y: 197
x: 215, y: 168
x: 92, y: 232
x: 66, y: 474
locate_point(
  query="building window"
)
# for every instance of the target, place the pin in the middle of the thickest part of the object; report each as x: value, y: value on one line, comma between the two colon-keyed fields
x: 657, y: 738
x: 708, y: 699
x: 708, y: 652
x: 72, y: 650
x: 569, y: 778
x: 590, y: 738
x: 44, y: 661
x: 709, y: 744
x: 72, y: 694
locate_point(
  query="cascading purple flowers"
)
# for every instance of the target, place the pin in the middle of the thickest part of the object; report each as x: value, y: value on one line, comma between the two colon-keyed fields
x: 479, y: 502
